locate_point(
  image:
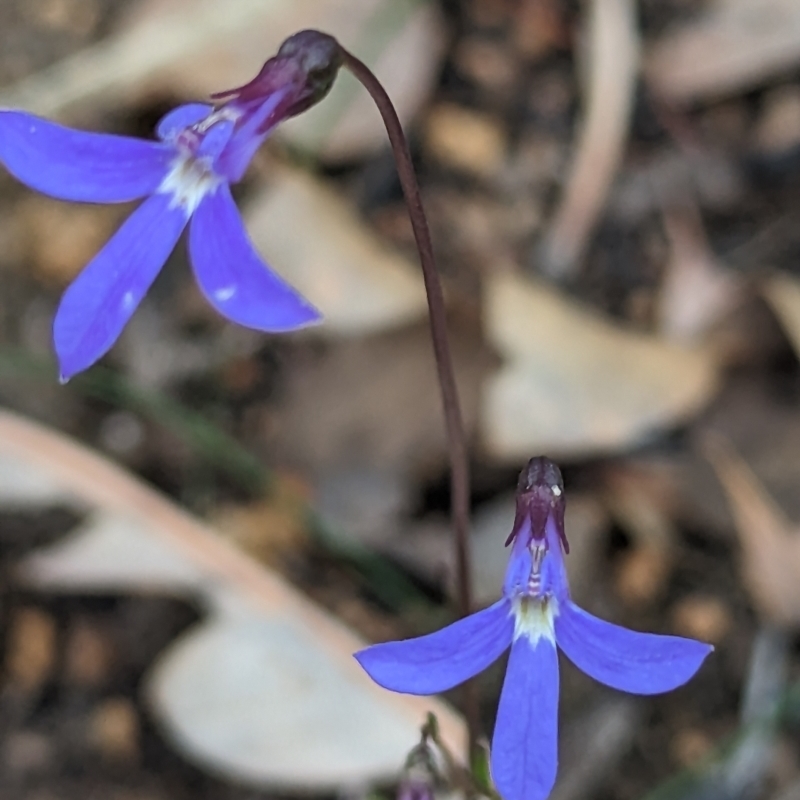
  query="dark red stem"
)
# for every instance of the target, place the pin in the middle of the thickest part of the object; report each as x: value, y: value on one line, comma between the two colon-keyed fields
x: 459, y: 464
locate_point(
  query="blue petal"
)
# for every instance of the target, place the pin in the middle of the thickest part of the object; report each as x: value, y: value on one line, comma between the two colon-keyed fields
x: 518, y: 571
x: 215, y: 139
x: 98, y: 304
x: 248, y: 138
x: 641, y: 663
x: 180, y: 118
x: 525, y: 742
x: 76, y: 165
x: 233, y: 277
x: 441, y: 660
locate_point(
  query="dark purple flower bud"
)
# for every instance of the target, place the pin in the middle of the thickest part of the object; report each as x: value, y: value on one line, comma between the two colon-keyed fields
x: 303, y: 70
x: 540, y: 495
x: 422, y: 773
x: 415, y: 787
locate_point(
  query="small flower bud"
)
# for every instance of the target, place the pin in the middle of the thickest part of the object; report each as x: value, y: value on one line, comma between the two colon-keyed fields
x: 319, y: 57
x: 540, y: 495
x: 303, y: 70
x: 415, y: 788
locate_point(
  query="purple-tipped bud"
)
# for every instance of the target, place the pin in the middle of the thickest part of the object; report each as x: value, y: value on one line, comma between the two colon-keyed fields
x: 540, y: 495
x: 304, y: 69
x: 415, y: 787
x: 422, y: 773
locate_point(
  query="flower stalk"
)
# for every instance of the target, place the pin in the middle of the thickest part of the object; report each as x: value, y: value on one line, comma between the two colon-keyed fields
x: 459, y: 462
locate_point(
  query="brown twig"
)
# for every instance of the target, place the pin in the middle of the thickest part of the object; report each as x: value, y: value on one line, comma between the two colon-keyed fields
x: 459, y: 465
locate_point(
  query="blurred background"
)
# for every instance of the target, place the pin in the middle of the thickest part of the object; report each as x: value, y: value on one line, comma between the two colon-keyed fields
x: 613, y: 189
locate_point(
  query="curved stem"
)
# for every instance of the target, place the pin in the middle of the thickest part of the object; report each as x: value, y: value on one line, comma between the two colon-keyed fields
x: 459, y: 464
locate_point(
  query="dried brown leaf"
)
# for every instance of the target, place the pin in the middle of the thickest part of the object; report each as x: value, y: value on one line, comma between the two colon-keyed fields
x: 270, y: 528
x: 465, y: 140
x: 703, y: 617
x: 31, y: 649
x: 115, y: 729
x: 770, y: 560
x: 782, y: 292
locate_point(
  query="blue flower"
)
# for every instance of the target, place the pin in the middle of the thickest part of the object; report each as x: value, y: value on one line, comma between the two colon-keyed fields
x: 185, y: 177
x: 535, y: 614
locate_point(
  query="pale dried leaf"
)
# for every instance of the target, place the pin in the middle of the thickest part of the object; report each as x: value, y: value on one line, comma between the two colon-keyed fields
x: 137, y: 541
x: 782, y: 292
x: 112, y: 551
x: 734, y: 46
x: 697, y: 291
x: 227, y: 697
x: 770, y: 560
x: 317, y: 242
x: 22, y: 485
x: 157, y: 53
x: 575, y: 383
x: 613, y: 68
